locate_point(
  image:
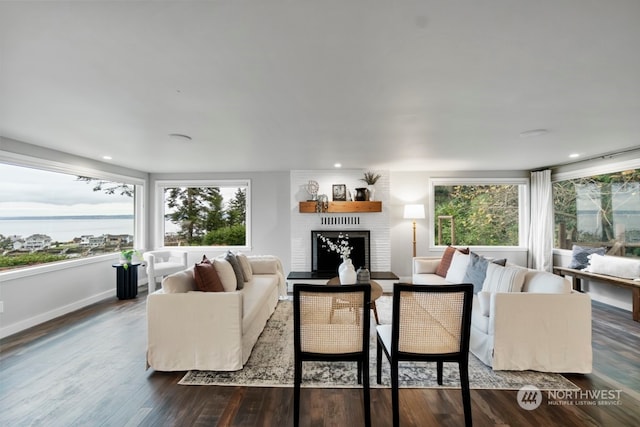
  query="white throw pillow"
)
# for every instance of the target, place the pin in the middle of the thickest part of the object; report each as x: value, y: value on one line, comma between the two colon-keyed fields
x: 180, y: 282
x: 543, y: 282
x: 614, y: 266
x: 264, y: 265
x: 458, y: 267
x: 484, y: 300
x: 504, y: 279
x: 226, y: 274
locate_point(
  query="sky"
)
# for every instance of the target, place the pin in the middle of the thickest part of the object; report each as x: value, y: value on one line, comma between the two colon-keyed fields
x: 33, y: 192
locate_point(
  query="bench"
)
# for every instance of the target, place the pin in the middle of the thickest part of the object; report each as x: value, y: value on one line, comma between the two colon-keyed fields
x: 578, y: 275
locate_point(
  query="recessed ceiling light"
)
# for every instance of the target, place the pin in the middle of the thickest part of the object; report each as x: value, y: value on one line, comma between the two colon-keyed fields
x: 533, y: 132
x: 574, y: 155
x: 337, y: 165
x: 179, y: 137
x: 107, y: 157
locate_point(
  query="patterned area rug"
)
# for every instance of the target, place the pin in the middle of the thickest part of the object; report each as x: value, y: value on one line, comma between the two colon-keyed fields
x: 271, y: 365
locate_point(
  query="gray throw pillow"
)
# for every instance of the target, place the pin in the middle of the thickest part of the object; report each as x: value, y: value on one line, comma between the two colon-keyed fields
x: 477, y: 270
x: 580, y: 256
x: 237, y: 269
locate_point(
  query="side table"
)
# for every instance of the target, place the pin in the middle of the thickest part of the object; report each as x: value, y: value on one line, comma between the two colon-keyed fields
x: 376, y: 292
x: 126, y: 280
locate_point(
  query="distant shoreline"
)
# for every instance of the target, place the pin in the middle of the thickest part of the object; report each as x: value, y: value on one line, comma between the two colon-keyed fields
x: 62, y: 217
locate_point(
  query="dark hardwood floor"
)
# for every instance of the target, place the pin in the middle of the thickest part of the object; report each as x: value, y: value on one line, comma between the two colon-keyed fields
x: 88, y: 369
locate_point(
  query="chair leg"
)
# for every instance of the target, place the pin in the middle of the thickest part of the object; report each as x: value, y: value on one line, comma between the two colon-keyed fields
x: 439, y: 362
x: 466, y: 393
x: 297, y: 379
x: 367, y: 397
x: 395, y: 398
x: 359, y: 371
x: 378, y: 362
x: 375, y: 312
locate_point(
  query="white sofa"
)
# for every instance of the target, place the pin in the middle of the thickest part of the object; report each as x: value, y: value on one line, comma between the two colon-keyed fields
x: 540, y: 324
x: 190, y: 329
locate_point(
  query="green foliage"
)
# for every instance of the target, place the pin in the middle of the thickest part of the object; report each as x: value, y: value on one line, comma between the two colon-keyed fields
x: 202, y: 219
x: 482, y: 214
x: 234, y: 235
x: 28, y: 259
x: 371, y: 178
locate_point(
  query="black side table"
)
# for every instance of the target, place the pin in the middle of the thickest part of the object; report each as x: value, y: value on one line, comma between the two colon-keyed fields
x: 127, y: 280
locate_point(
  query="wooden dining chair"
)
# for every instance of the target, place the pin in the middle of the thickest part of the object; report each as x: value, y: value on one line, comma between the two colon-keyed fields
x: 331, y: 323
x: 429, y: 323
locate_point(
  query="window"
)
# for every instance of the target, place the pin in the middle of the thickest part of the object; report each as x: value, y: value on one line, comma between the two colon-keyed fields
x: 48, y: 216
x: 599, y: 211
x: 479, y: 212
x: 204, y: 213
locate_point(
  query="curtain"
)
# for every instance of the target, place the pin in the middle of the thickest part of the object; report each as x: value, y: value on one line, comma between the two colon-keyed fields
x: 540, y: 255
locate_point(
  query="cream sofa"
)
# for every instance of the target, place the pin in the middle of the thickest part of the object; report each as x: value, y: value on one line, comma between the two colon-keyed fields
x: 189, y: 329
x: 539, y: 323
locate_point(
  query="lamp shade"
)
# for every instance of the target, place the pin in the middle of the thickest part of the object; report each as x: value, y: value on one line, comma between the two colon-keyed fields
x: 413, y: 211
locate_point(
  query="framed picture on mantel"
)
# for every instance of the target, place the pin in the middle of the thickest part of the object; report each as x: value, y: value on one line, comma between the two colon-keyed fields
x: 339, y: 192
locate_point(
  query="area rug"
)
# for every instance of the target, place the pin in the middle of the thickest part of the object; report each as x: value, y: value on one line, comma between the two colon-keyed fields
x: 271, y: 365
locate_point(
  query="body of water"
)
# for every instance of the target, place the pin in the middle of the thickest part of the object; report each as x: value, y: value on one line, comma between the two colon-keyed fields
x: 64, y: 229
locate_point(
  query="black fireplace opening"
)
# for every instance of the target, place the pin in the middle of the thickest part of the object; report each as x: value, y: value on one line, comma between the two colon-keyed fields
x: 323, y: 260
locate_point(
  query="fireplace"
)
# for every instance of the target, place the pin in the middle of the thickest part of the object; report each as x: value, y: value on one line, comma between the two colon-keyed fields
x: 325, y: 261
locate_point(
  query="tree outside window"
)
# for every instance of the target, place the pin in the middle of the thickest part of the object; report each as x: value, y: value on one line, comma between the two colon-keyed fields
x: 205, y: 215
x: 477, y: 215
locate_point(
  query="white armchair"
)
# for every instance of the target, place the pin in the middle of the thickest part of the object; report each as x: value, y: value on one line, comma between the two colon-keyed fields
x: 163, y: 263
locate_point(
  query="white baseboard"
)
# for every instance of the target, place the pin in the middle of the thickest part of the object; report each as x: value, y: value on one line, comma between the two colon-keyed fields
x: 44, y: 317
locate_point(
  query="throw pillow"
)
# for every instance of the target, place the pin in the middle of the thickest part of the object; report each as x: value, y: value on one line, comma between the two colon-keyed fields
x: 180, y: 282
x: 206, y: 277
x: 265, y: 264
x: 237, y: 270
x: 447, y: 257
x: 476, y: 271
x: 458, y: 267
x: 580, y: 256
x: 626, y: 268
x: 246, y: 266
x: 504, y: 279
x: 226, y: 274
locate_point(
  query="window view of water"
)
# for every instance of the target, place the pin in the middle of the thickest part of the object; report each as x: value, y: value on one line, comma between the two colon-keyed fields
x: 66, y: 229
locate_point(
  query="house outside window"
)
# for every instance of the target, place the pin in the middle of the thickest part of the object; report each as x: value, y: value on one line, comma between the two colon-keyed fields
x: 48, y: 216
x: 601, y: 210
x: 204, y: 213
x: 479, y: 212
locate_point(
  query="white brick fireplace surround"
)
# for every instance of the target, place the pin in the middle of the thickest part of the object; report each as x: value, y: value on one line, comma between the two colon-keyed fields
x: 302, y: 223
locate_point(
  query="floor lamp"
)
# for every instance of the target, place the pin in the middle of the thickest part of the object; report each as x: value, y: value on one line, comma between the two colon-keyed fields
x: 414, y: 212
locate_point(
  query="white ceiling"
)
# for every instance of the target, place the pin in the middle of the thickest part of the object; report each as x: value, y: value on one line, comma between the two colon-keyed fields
x: 280, y: 85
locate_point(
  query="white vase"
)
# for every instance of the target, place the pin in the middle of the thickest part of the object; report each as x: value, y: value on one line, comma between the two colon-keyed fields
x: 347, y: 272
x: 371, y: 191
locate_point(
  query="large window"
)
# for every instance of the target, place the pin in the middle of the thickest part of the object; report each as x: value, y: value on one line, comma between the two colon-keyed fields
x: 599, y: 211
x: 479, y: 212
x: 206, y: 213
x: 48, y: 216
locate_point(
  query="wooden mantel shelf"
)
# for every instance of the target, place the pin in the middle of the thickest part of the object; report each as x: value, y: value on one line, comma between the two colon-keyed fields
x: 343, y: 207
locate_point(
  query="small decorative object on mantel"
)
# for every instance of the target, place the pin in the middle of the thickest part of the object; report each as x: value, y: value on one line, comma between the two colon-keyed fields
x: 322, y: 204
x: 371, y: 178
x: 361, y: 194
x: 312, y: 188
x: 339, y: 192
